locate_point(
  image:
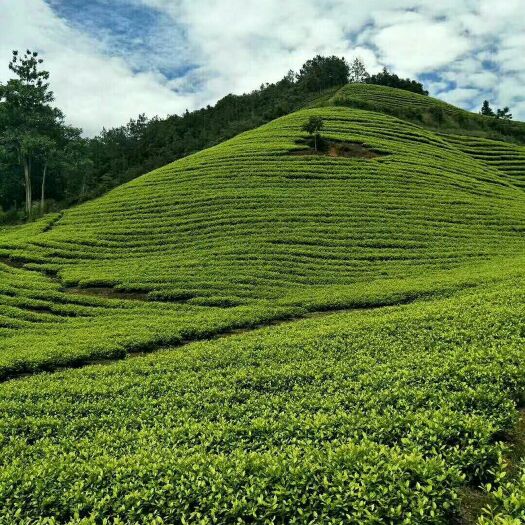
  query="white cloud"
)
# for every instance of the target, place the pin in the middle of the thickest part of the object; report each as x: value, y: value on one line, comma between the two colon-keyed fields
x: 419, y: 45
x: 460, y: 96
x: 238, y: 44
x: 92, y: 88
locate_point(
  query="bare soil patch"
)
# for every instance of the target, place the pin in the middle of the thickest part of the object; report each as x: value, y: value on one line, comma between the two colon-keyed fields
x: 333, y: 148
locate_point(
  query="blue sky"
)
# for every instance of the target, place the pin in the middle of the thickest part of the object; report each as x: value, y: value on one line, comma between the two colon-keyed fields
x: 113, y: 59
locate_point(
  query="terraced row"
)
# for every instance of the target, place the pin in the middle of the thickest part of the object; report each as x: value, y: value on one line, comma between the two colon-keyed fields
x: 507, y: 158
x: 357, y: 418
x: 44, y: 327
x: 391, y: 98
x: 246, y: 221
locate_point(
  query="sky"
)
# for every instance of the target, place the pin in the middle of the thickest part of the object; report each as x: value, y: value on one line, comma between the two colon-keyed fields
x: 111, y: 60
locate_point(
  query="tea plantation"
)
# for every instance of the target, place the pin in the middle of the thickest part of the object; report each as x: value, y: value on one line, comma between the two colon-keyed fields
x: 330, y: 339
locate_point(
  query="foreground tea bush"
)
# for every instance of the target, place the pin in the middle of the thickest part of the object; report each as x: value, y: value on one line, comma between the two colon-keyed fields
x: 366, y: 417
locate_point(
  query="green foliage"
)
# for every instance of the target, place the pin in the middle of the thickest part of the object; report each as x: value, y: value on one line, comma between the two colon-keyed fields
x: 380, y: 414
x: 313, y: 125
x: 504, y: 113
x: 245, y: 232
x: 33, y: 136
x: 386, y: 78
x: 507, y: 159
x: 426, y: 111
x: 323, y: 72
x: 358, y: 72
x: 507, y: 498
x: 364, y: 417
x: 486, y: 110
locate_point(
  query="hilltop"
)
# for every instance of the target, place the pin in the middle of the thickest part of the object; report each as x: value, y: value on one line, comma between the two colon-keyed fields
x: 410, y: 232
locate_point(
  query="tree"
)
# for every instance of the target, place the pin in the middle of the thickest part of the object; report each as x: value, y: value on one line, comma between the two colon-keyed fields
x: 358, y: 72
x: 25, y: 115
x: 46, y: 154
x: 504, y: 113
x: 323, y: 72
x: 486, y: 109
x: 386, y: 78
x: 313, y: 126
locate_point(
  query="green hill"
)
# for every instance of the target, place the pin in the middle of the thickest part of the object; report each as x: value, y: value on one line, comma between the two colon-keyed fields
x: 380, y: 413
x: 427, y: 111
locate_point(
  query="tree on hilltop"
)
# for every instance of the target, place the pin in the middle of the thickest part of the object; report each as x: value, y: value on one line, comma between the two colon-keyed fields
x: 487, y: 111
x: 386, y: 78
x: 358, y: 72
x: 323, y: 72
x: 504, y: 113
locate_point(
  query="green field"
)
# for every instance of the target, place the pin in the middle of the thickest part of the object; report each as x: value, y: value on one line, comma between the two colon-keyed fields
x: 330, y: 339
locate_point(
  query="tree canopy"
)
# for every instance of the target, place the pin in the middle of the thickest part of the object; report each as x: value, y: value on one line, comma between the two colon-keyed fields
x: 323, y: 72
x: 33, y: 135
x: 313, y: 126
x: 487, y: 111
x: 386, y: 78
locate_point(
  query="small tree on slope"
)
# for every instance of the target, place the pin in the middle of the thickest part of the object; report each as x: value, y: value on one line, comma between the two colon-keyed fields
x: 313, y: 126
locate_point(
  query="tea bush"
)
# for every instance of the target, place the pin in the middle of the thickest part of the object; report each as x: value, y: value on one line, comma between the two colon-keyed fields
x: 363, y: 417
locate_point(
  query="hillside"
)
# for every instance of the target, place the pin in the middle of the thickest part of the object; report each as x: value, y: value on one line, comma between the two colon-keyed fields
x: 403, y: 249
x: 428, y: 112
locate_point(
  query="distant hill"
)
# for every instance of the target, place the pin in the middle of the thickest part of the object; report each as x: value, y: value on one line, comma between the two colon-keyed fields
x: 427, y: 111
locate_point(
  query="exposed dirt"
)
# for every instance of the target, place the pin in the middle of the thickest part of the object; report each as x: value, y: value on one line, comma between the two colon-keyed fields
x: 12, y: 262
x: 107, y: 292
x: 332, y: 148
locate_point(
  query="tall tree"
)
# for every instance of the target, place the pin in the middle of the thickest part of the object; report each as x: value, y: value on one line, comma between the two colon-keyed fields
x: 358, y: 72
x: 486, y: 109
x: 26, y: 115
x: 323, y: 72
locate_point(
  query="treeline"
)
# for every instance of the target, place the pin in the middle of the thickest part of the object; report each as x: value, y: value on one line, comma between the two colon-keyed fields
x: 46, y: 164
x: 500, y: 113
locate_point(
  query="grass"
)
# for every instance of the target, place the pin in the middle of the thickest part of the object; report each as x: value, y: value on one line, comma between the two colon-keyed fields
x: 384, y: 411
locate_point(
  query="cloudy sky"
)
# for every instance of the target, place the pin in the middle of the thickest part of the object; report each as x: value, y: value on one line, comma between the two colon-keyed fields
x: 113, y: 59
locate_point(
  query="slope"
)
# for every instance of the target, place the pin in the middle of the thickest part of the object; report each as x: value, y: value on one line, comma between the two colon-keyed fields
x: 359, y: 418
x: 383, y: 413
x: 256, y: 229
x: 427, y: 111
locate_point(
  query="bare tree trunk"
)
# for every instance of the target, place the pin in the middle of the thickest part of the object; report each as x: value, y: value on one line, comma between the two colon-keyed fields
x: 42, y: 198
x: 27, y: 182
x: 315, y: 141
x: 83, y: 187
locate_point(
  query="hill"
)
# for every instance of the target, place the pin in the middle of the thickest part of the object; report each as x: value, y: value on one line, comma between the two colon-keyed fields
x: 412, y: 238
x: 428, y: 112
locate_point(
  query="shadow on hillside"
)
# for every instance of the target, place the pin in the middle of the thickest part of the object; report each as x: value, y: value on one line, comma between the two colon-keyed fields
x: 336, y: 148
